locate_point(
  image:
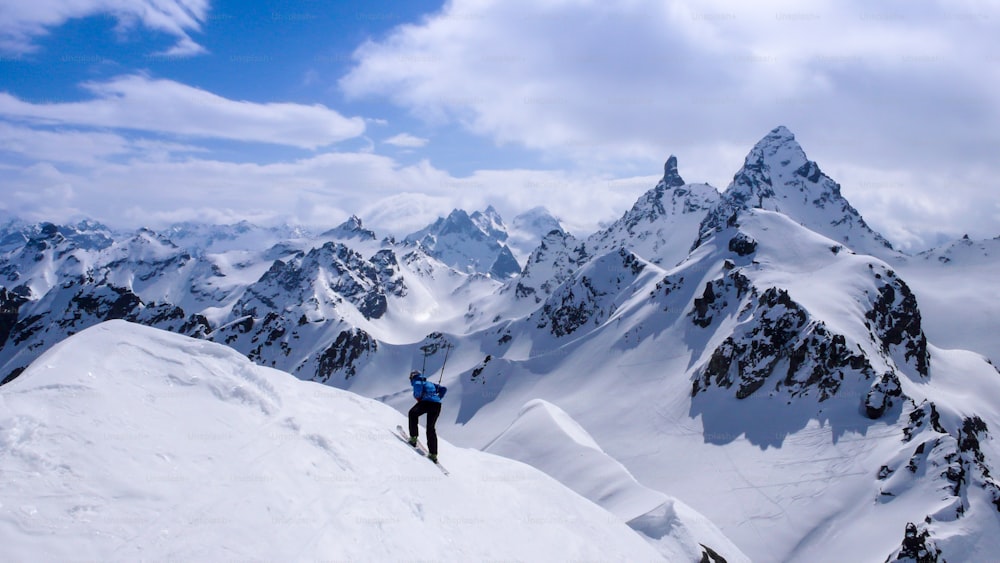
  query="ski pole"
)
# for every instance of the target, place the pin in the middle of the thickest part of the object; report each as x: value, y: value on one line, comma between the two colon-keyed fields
x: 447, y: 349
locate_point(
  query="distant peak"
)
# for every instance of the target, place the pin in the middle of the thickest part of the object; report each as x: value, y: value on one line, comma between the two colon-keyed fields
x: 458, y: 214
x: 781, y: 132
x: 777, y: 147
x: 351, y: 228
x: 672, y: 178
x: 353, y: 223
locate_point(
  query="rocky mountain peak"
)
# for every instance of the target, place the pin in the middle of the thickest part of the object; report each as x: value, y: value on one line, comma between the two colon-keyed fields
x: 469, y: 243
x: 663, y: 221
x: 777, y: 176
x: 352, y: 228
x: 458, y: 222
x: 767, y: 164
x: 671, y: 178
x: 489, y: 222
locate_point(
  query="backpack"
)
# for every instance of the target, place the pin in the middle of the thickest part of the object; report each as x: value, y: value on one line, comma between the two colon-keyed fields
x: 430, y: 391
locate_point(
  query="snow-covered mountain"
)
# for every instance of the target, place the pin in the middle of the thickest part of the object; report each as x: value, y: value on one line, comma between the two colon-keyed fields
x: 759, y: 355
x: 776, y: 175
x: 125, y: 442
x: 469, y: 243
x: 663, y: 223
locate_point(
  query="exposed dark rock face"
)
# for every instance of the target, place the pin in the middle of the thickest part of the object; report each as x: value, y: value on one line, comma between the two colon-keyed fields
x: 742, y: 244
x: 343, y: 355
x: 10, y: 306
x: 917, y: 547
x: 777, y: 176
x: 469, y: 243
x: 895, y: 320
x: 589, y: 295
x: 880, y: 396
x: 817, y: 361
x: 387, y: 268
x: 478, y: 370
x: 80, y: 304
x: 570, y: 312
x: 554, y: 260
x: 505, y: 265
x: 718, y: 296
x: 332, y: 269
x: 920, y: 417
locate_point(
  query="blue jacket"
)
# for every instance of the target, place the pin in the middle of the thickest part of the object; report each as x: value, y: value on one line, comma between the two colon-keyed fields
x: 424, y: 390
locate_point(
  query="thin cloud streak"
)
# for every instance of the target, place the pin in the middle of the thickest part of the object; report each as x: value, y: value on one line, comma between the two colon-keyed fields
x: 137, y: 102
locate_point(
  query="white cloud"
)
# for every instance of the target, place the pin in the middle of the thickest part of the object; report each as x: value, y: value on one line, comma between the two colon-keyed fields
x: 22, y: 21
x: 617, y: 86
x: 138, y: 102
x: 83, y: 148
x: 126, y: 182
x: 405, y: 140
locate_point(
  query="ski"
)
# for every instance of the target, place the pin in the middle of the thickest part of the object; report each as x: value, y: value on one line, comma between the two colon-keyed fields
x: 419, y: 448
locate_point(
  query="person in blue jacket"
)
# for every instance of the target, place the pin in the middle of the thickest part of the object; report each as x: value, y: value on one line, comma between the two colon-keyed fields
x: 428, y: 395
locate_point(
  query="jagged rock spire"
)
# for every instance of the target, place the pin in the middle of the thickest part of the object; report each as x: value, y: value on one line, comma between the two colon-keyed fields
x: 671, y: 178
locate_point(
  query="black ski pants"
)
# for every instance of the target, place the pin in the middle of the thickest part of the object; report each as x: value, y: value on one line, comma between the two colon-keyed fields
x: 433, y: 411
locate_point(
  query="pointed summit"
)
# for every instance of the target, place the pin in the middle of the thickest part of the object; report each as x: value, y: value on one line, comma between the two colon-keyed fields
x: 671, y: 178
x: 777, y: 147
x: 489, y: 222
x: 352, y: 228
x: 777, y: 176
x: 662, y: 223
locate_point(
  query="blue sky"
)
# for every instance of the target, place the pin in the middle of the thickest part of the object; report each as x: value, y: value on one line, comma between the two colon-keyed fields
x: 145, y: 112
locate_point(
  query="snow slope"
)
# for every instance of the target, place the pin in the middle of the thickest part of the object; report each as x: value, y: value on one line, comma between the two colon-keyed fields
x: 775, y: 381
x: 544, y: 436
x: 125, y: 442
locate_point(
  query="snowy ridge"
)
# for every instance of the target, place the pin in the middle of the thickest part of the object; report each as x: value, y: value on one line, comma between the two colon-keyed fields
x: 544, y: 436
x: 128, y: 442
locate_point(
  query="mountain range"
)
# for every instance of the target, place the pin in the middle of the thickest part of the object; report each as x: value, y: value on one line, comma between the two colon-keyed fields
x: 758, y: 355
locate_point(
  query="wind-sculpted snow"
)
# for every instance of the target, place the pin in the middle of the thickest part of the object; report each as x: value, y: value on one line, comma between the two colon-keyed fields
x: 546, y: 437
x: 125, y: 442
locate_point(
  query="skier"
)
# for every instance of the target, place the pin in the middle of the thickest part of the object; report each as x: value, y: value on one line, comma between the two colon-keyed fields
x: 428, y: 395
